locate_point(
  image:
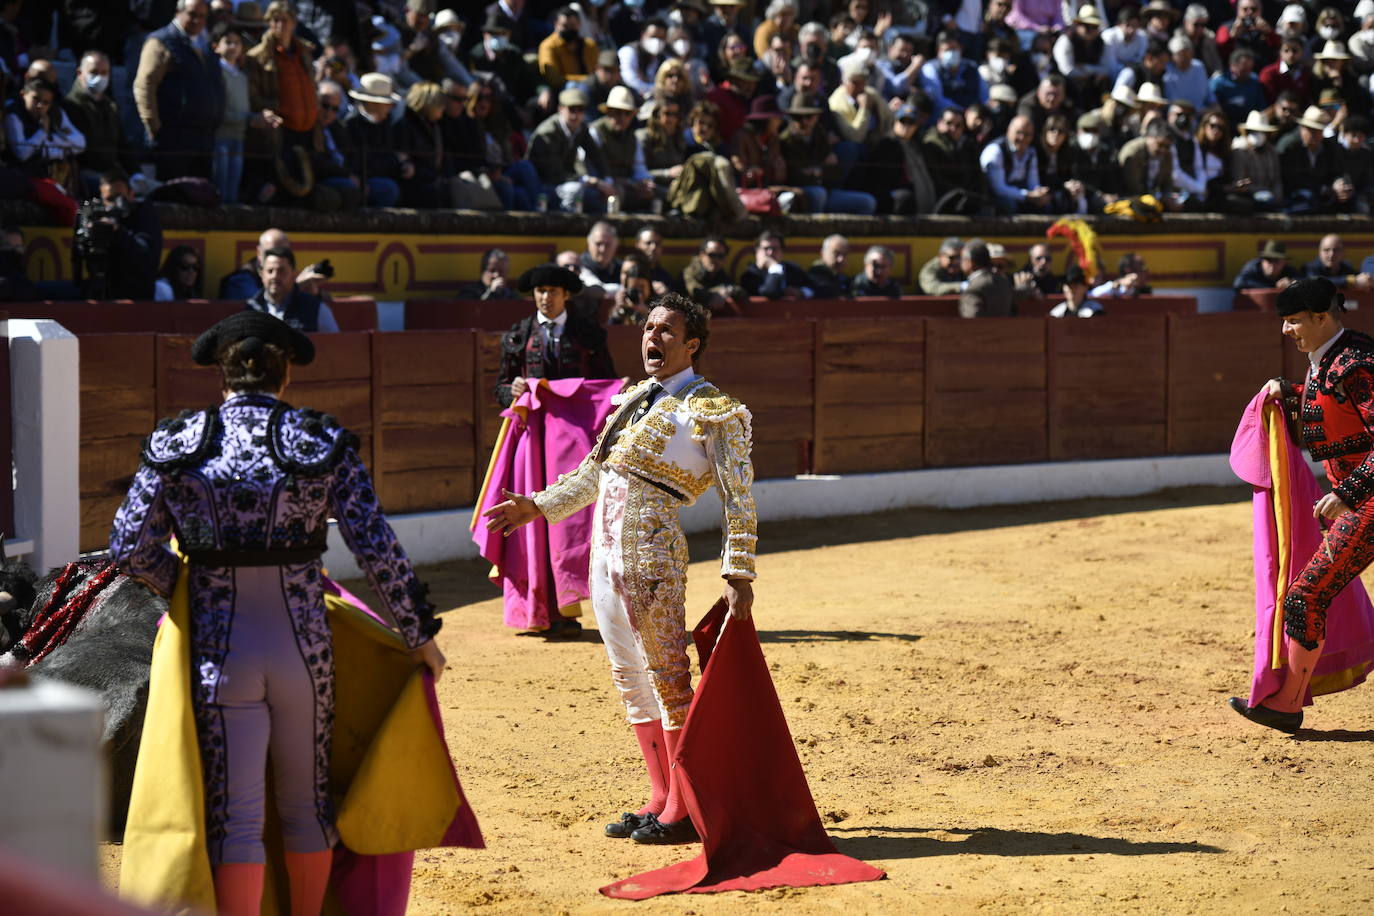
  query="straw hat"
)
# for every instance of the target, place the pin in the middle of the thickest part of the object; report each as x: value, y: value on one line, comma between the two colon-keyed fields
x: 1002, y: 92
x: 619, y: 98
x: 1334, y: 50
x: 1158, y: 8
x: 1087, y: 14
x: 1314, y: 118
x: 1256, y: 121
x: 1149, y: 94
x: 375, y: 87
x: 1126, y: 96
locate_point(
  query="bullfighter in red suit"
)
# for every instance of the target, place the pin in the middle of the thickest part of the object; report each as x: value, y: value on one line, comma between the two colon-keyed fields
x: 1335, y: 408
x: 557, y: 341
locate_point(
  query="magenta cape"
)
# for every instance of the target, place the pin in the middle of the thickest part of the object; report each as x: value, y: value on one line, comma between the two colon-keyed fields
x: 546, y: 432
x: 1264, y: 455
x: 746, y: 791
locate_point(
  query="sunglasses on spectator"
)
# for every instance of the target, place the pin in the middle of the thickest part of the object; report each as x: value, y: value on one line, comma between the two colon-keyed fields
x: 715, y: 255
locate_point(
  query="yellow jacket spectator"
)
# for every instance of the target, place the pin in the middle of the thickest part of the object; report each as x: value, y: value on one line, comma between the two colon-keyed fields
x: 566, y: 55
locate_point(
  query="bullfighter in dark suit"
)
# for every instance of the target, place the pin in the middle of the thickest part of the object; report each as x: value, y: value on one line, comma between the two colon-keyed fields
x: 556, y: 342
x: 988, y: 293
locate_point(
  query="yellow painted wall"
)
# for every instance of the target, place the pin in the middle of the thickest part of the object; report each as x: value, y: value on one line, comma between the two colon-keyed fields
x: 433, y: 267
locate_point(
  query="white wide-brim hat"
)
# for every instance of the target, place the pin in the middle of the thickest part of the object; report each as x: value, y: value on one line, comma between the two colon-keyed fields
x: 375, y: 87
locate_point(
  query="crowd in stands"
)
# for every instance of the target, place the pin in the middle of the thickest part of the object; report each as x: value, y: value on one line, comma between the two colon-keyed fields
x: 713, y: 108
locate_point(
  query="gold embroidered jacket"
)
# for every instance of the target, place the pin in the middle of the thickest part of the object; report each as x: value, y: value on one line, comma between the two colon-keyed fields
x: 685, y: 443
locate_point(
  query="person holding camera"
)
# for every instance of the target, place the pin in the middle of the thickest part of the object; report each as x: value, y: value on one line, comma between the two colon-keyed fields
x: 1250, y: 30
x: 41, y: 138
x: 117, y: 244
x: 283, y: 297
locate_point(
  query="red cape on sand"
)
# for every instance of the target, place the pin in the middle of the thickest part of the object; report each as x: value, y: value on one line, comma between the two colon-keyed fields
x: 746, y: 791
x: 1286, y: 536
x: 546, y: 432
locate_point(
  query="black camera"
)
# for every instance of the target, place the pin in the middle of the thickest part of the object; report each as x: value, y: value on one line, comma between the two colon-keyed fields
x: 98, y: 224
x: 323, y: 268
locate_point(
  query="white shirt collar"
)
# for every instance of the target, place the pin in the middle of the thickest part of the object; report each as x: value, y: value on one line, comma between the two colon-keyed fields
x: 1316, y: 355
x: 675, y: 383
x: 558, y: 322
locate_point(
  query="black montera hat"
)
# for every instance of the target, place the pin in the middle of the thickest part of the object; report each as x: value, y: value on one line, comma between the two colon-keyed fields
x: 549, y: 275
x: 1311, y: 294
x: 252, y: 324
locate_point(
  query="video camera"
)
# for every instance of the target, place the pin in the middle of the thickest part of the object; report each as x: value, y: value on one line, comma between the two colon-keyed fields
x: 98, y: 224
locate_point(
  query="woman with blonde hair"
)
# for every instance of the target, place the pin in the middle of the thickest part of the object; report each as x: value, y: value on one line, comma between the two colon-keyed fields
x: 673, y: 82
x: 662, y: 140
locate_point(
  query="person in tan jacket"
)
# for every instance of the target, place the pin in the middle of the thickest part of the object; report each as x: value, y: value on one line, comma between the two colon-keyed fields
x: 861, y: 115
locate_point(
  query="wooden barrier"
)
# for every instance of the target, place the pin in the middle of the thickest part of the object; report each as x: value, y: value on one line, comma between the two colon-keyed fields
x: 834, y: 395
x: 491, y: 315
x: 1216, y: 364
x: 1107, y: 388
x: 985, y: 387
x: 119, y: 404
x: 870, y: 395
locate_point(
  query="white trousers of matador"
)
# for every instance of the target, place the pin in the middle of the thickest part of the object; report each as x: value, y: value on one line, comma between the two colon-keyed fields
x: 638, y: 592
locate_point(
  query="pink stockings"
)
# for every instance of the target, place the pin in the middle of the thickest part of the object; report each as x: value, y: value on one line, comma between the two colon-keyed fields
x: 1297, y: 676
x: 238, y: 886
x: 655, y: 751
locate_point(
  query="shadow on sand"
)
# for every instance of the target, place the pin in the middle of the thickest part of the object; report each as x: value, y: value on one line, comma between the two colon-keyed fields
x: 1342, y: 735
x: 994, y: 841
x: 766, y: 636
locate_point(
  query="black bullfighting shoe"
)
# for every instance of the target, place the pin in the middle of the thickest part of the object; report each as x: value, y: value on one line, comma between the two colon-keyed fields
x: 1288, y: 722
x: 564, y: 628
x: 659, y: 833
x: 628, y: 824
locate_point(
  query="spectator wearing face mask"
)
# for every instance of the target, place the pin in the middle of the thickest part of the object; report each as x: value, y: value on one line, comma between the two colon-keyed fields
x: 565, y: 54
x: 1003, y: 66
x: 92, y: 110
x: 449, y: 29
x: 949, y: 80
x: 639, y: 62
x: 496, y: 54
x: 1255, y: 164
x: 813, y: 51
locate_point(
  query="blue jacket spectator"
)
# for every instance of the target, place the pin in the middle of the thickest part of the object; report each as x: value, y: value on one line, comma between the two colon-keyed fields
x: 1238, y: 91
x: 949, y: 79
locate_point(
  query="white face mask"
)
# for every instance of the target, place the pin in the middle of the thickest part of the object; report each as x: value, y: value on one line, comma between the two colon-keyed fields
x: 652, y: 46
x: 950, y: 59
x: 497, y: 43
x: 96, y: 83
x: 865, y: 54
x: 682, y: 47
x: 1256, y: 140
x: 998, y: 65
x: 451, y: 39
x: 1087, y: 141
x: 1330, y: 33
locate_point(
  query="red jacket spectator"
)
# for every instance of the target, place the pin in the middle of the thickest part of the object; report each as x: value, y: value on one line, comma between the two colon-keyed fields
x: 1299, y: 79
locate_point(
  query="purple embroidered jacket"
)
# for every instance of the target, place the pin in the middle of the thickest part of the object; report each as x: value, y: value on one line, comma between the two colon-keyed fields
x: 258, y: 475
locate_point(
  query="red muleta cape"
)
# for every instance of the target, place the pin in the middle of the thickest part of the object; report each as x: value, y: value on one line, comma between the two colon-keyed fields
x: 746, y: 791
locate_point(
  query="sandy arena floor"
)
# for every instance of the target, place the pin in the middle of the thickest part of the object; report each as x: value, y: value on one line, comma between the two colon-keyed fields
x: 1011, y: 710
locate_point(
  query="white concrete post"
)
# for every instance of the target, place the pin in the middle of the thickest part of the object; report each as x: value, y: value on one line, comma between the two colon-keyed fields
x: 54, y: 810
x: 45, y: 388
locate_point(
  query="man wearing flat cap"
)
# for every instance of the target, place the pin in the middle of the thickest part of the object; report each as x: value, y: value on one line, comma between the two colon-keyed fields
x: 570, y: 179
x: 1334, y: 410
x: 555, y: 341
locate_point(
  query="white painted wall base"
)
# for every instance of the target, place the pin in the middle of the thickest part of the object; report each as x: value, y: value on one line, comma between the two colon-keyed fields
x: 54, y: 772
x: 436, y: 537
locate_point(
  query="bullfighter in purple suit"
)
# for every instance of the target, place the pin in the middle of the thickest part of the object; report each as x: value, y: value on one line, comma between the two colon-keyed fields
x: 247, y: 489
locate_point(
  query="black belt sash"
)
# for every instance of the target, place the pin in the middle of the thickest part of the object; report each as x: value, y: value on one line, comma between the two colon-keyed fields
x: 662, y: 486
x: 280, y: 556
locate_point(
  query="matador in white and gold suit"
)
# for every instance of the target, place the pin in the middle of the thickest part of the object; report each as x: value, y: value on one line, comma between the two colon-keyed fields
x: 671, y: 438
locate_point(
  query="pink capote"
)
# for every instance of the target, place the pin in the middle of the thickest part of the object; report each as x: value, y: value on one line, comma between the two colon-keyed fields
x: 745, y: 788
x: 546, y: 432
x: 1286, y: 536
